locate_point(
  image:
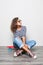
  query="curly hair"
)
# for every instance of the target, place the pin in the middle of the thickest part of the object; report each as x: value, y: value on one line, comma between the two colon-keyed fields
x: 13, y: 24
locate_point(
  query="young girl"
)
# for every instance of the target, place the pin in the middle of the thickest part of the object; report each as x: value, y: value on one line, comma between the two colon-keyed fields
x: 20, y: 40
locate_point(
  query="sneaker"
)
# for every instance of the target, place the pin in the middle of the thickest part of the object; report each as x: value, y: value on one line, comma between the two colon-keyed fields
x: 15, y: 54
x: 34, y: 56
x: 18, y: 52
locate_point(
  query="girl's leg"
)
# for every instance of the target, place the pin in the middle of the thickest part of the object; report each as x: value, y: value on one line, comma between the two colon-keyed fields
x: 21, y: 45
x: 27, y: 50
x: 24, y: 48
x: 31, y: 43
x: 18, y: 52
x: 18, y: 44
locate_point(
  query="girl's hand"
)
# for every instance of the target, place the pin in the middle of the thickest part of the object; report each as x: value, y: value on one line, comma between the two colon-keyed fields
x: 26, y: 46
x: 23, y: 39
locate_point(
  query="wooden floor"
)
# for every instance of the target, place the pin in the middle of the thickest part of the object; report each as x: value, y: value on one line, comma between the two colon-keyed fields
x: 6, y: 57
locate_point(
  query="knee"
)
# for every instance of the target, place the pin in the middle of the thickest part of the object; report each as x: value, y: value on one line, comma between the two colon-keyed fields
x: 34, y: 42
x: 16, y: 40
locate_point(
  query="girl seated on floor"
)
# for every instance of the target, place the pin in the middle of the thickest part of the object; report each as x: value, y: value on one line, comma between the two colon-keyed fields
x: 20, y: 40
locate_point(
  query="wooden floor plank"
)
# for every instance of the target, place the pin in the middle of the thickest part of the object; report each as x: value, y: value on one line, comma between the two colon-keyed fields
x: 6, y: 57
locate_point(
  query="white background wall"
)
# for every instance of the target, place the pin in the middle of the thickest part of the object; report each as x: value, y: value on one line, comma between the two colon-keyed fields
x: 31, y: 13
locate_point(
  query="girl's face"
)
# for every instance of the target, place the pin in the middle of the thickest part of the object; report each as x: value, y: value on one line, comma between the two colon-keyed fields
x: 19, y: 22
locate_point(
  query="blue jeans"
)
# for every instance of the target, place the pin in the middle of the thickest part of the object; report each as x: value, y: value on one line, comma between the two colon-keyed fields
x: 18, y: 43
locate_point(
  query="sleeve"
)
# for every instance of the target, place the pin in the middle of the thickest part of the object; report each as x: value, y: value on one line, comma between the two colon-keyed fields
x: 24, y: 31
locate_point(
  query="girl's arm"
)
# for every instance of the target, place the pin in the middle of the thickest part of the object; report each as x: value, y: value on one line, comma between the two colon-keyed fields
x: 23, y: 39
